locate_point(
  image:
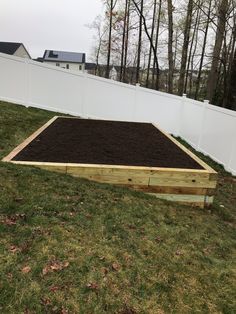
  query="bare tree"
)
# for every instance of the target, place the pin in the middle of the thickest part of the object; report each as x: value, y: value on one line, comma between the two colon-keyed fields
x: 150, y: 40
x: 111, y: 6
x: 150, y: 49
x: 123, y: 39
x: 203, y: 49
x: 139, y: 39
x: 170, y: 46
x: 214, y: 74
x: 155, y: 83
x: 187, y: 29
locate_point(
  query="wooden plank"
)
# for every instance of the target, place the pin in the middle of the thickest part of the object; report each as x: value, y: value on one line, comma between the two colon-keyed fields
x: 188, y: 182
x: 184, y: 198
x: 123, y: 167
x: 112, y: 178
x: 172, y: 190
x: 187, y: 151
x: 130, y: 171
x: 28, y: 140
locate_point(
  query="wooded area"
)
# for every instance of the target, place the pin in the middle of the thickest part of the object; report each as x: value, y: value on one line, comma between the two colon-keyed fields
x: 185, y: 46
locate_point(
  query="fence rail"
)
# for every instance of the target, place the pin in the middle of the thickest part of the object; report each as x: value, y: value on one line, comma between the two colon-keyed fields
x: 209, y: 129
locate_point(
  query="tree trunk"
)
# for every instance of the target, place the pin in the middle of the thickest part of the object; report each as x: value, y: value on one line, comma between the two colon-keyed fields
x: 191, y: 55
x: 213, y: 75
x: 156, y: 44
x: 126, y: 41
x: 170, y: 47
x: 230, y: 70
x: 150, y: 49
x: 203, y: 51
x: 139, y: 42
x: 231, y: 99
x: 123, y: 41
x: 185, y: 47
x: 109, y: 41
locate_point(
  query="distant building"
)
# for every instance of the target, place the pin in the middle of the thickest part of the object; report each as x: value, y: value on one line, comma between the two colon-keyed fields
x: 67, y: 60
x: 14, y: 49
x: 91, y: 68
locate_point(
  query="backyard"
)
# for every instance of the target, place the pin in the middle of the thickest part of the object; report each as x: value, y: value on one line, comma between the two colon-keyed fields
x: 69, y: 245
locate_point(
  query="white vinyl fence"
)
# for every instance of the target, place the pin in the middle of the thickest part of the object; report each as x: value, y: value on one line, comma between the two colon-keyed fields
x: 209, y: 129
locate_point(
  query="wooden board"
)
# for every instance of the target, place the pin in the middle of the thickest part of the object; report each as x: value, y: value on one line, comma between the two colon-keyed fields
x: 188, y: 186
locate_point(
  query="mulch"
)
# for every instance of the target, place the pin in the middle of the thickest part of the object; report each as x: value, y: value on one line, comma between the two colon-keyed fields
x: 70, y: 140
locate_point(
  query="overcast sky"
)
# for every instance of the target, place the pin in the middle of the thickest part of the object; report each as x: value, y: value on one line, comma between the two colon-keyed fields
x: 49, y: 24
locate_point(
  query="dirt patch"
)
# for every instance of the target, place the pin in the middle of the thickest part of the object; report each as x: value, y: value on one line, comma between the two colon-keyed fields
x: 106, y: 142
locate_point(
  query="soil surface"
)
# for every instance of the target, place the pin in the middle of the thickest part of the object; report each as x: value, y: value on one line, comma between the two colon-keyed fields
x: 69, y: 140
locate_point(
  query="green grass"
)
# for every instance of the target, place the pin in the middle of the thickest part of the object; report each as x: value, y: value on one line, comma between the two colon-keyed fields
x: 95, y: 248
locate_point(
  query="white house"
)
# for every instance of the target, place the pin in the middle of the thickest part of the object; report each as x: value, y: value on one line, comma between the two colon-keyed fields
x: 68, y: 60
x: 14, y: 49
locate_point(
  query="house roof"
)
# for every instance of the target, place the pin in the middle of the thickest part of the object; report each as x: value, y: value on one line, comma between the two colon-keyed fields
x: 9, y: 47
x: 64, y: 56
x: 90, y: 66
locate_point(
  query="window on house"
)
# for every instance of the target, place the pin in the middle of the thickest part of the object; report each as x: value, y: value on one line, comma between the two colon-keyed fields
x: 67, y: 66
x: 57, y: 64
x: 80, y: 67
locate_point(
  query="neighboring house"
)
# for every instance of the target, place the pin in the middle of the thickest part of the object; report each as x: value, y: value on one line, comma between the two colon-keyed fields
x: 91, y: 68
x: 14, y: 49
x: 67, y: 60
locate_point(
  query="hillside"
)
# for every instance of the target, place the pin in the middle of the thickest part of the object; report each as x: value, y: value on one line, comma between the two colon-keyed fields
x: 68, y: 245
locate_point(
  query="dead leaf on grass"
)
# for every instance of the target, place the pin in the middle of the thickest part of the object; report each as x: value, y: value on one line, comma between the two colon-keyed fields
x: 115, y: 266
x: 14, y: 249
x: 104, y: 271
x: 55, y: 288
x: 12, y: 220
x: 9, y: 221
x: 55, y: 266
x: 92, y: 286
x: 26, y: 269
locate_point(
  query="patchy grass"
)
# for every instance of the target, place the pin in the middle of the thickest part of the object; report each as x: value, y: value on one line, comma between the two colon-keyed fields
x: 68, y: 245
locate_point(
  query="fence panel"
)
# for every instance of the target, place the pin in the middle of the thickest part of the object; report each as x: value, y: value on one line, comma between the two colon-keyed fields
x: 218, y: 135
x: 210, y: 129
x: 55, y: 89
x: 160, y: 108
x: 106, y: 99
x: 14, y: 79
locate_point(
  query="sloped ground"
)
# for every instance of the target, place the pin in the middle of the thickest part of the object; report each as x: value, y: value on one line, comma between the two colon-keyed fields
x: 73, y: 246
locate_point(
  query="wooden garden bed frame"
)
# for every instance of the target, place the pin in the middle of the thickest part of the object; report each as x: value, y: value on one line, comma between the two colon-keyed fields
x: 190, y: 186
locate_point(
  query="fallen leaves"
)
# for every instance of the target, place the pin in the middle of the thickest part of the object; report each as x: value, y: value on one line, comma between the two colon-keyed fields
x: 55, y: 288
x: 12, y: 220
x: 14, y: 249
x: 92, y: 286
x: 115, y: 266
x: 54, y: 266
x: 26, y: 269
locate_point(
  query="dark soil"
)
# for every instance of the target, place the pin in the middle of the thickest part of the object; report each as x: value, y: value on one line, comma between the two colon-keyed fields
x: 69, y: 140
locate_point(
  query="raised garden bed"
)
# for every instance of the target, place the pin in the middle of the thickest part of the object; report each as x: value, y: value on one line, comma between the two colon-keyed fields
x: 137, y: 155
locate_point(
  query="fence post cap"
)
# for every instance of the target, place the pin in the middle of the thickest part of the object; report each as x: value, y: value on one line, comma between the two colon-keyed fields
x: 184, y: 95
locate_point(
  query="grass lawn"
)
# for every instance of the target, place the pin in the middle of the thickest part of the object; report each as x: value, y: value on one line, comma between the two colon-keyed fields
x: 68, y: 245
